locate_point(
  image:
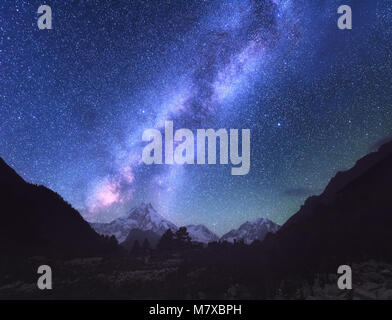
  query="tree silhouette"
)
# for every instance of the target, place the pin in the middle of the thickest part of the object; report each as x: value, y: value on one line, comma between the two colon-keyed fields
x: 167, y: 241
x: 146, y: 247
x: 136, y: 249
x: 183, y: 240
x: 183, y: 235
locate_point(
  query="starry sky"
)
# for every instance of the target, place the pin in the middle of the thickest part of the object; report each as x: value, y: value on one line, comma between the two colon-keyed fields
x: 75, y: 100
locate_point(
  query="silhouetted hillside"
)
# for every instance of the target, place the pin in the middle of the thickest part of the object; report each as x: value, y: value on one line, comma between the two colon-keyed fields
x: 37, y: 221
x: 350, y: 221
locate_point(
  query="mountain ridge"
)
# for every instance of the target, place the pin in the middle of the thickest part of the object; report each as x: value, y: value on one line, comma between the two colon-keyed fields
x: 143, y: 217
x: 250, y: 231
x: 37, y: 221
x: 201, y: 233
x: 349, y: 221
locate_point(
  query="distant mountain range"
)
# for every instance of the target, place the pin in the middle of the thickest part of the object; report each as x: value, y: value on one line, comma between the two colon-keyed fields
x: 350, y: 220
x: 37, y: 221
x: 145, y: 218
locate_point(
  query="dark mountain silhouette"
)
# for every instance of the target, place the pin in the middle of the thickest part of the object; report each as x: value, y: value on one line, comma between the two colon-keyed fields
x: 37, y: 221
x: 140, y: 236
x: 350, y: 221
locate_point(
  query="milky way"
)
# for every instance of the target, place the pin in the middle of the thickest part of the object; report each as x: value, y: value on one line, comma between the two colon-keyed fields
x: 75, y: 100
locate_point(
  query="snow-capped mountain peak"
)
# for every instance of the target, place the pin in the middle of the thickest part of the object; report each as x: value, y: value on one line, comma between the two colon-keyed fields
x: 200, y: 233
x: 143, y: 217
x: 252, y: 230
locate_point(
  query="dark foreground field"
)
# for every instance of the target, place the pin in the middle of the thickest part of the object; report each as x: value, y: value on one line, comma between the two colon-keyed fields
x: 174, y: 278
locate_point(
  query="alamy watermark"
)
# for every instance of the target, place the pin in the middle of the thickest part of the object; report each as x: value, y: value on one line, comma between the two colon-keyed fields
x: 344, y: 20
x: 180, y: 147
x: 345, y: 280
x: 45, y: 18
x: 45, y: 281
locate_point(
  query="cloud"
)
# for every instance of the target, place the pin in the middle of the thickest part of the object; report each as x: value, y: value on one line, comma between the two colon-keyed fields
x: 298, y: 192
x: 375, y: 146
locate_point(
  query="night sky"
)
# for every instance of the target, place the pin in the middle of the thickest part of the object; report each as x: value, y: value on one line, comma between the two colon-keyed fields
x: 75, y: 100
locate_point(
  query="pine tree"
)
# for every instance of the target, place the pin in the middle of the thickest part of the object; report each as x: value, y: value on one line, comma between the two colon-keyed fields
x: 183, y: 240
x: 182, y: 235
x: 136, y: 250
x: 167, y: 241
x: 146, y: 246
